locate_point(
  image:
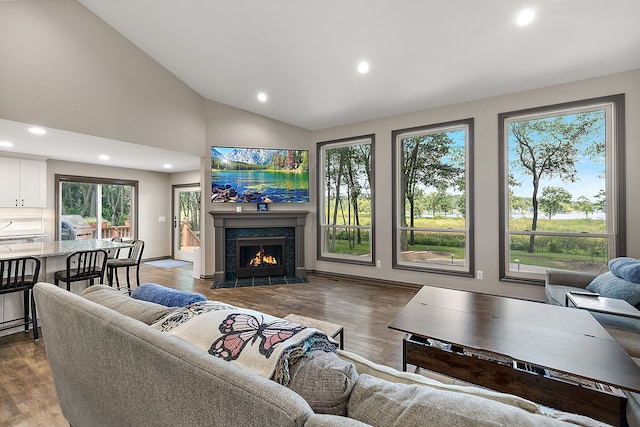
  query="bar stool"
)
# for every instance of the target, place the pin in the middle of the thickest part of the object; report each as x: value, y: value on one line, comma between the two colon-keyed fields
x: 113, y: 252
x: 89, y: 265
x: 132, y: 260
x: 20, y: 275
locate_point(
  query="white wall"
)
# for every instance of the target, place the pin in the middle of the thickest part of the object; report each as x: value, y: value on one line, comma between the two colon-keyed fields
x: 485, y: 112
x: 64, y: 68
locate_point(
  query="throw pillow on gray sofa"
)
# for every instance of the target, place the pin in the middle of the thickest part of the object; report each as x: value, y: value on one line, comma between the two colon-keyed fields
x: 109, y: 297
x: 324, y: 380
x: 626, y: 268
x: 611, y: 286
x: 169, y: 297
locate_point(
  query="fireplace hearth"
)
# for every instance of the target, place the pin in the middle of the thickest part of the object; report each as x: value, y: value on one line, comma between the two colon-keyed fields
x: 257, y: 257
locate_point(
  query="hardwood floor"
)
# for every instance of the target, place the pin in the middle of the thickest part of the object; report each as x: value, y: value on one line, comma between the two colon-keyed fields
x: 27, y: 395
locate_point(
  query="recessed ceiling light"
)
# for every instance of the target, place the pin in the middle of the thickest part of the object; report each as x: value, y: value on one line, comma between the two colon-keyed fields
x: 525, y: 17
x: 262, y: 97
x: 104, y: 157
x: 167, y: 166
x: 37, y: 131
x: 363, y: 67
x: 6, y: 144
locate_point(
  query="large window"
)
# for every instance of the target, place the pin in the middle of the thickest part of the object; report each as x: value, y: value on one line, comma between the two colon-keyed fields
x: 433, y: 224
x: 95, y: 208
x: 345, y: 205
x: 562, y: 197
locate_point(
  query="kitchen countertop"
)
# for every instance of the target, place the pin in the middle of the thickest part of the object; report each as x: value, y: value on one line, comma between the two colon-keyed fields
x: 23, y: 237
x: 56, y: 248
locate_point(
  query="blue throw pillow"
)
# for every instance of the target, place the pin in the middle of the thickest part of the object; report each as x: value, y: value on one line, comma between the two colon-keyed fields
x: 627, y: 268
x: 611, y: 286
x: 165, y: 296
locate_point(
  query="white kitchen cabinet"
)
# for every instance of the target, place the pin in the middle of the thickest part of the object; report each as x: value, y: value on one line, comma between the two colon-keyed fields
x: 23, y: 183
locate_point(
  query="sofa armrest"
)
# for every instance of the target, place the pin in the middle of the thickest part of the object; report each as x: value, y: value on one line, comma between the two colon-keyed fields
x: 569, y: 278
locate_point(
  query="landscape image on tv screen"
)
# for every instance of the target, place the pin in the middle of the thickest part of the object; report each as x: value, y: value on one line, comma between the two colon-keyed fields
x: 258, y: 175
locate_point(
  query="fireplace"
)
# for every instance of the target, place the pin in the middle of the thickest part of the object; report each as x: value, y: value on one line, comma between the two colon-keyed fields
x: 232, y: 225
x: 257, y: 257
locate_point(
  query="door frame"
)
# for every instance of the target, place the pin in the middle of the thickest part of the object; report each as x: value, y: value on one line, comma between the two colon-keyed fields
x: 181, y: 187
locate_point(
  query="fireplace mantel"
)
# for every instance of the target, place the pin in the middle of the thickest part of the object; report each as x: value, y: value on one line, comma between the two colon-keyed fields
x: 277, y: 218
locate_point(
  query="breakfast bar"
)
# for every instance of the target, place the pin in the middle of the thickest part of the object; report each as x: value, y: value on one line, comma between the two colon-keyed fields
x: 52, y: 254
x: 56, y: 248
x: 52, y: 257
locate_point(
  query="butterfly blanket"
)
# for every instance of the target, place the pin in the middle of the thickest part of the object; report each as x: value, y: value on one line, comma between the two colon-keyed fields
x: 257, y: 342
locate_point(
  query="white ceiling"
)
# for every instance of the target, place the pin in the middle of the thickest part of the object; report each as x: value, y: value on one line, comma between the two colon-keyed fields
x: 75, y: 147
x: 422, y: 53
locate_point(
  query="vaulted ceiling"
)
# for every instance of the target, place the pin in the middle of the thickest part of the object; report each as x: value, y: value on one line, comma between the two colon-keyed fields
x: 422, y: 53
x: 303, y: 55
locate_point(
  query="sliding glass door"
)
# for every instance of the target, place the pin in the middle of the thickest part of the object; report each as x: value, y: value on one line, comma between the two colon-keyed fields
x: 95, y: 208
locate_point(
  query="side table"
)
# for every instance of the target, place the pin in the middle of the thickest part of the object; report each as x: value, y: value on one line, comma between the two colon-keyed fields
x: 594, y: 302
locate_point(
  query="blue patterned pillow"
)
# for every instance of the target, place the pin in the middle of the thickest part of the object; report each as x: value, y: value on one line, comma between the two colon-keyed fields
x: 611, y: 286
x: 627, y: 268
x: 165, y: 296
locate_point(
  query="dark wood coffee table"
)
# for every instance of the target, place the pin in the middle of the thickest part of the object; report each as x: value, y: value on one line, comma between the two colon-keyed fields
x: 552, y: 355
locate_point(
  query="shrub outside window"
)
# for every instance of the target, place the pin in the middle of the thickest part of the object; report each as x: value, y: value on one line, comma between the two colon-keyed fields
x: 345, y: 206
x: 433, y: 224
x: 562, y: 201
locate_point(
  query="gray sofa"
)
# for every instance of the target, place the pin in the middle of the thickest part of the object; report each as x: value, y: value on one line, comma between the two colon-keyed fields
x: 110, y: 368
x: 625, y: 330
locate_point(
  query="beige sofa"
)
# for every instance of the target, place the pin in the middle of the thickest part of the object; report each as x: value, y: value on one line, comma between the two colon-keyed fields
x: 110, y: 368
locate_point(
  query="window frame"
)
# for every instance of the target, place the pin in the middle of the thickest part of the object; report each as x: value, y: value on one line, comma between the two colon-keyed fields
x: 321, y: 255
x: 614, y: 184
x: 59, y: 179
x: 468, y: 269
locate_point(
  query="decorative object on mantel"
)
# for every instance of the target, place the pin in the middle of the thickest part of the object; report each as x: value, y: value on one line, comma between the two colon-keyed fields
x: 259, y: 281
x: 262, y: 207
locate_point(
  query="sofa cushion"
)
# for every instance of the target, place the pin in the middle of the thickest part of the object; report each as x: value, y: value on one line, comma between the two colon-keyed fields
x: 557, y: 294
x: 324, y: 380
x: 432, y: 379
x: 109, y: 297
x: 169, y: 297
x: 611, y: 286
x: 381, y: 403
x: 626, y: 268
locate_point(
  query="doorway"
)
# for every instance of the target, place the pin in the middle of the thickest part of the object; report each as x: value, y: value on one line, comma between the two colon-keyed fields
x: 186, y: 221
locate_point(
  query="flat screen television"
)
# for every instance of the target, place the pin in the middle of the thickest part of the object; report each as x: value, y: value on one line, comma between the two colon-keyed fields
x: 259, y: 175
